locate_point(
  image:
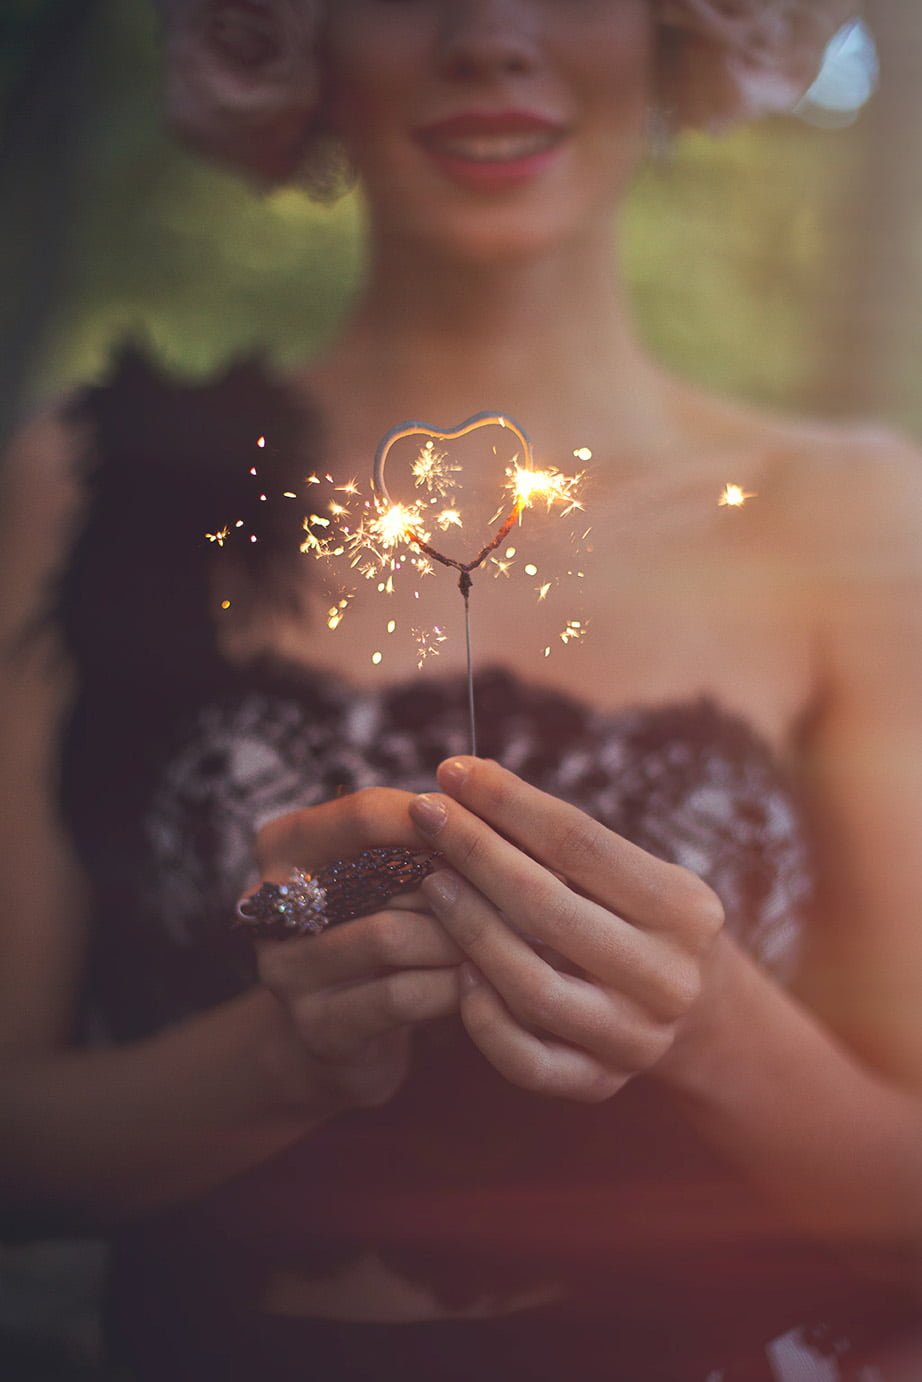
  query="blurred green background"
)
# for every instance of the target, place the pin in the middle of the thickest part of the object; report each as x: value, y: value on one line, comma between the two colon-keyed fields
x: 780, y: 263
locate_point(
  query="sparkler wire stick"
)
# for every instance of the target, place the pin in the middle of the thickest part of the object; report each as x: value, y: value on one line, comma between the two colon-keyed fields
x: 464, y: 568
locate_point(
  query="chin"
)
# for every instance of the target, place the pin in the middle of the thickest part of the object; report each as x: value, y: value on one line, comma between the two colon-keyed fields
x: 508, y: 234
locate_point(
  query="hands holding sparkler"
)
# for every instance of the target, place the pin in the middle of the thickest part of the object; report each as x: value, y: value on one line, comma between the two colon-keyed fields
x: 573, y: 956
x: 584, y: 953
x: 354, y: 993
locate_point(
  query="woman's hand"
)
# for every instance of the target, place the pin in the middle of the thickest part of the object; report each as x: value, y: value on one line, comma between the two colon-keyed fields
x: 636, y: 931
x: 355, y: 991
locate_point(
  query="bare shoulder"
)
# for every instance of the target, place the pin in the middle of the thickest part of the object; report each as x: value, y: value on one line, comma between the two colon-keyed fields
x: 848, y: 496
x: 838, y: 497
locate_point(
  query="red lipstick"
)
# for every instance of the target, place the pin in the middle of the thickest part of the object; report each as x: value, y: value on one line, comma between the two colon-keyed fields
x: 492, y: 150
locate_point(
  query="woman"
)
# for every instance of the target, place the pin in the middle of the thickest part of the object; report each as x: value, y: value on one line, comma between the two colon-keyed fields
x: 416, y: 1145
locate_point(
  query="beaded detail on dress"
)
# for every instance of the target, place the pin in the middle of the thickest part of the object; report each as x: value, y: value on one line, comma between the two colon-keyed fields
x: 687, y: 782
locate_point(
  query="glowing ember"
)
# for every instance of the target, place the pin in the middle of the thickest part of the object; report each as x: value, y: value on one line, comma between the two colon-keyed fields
x: 734, y: 497
x: 220, y: 537
x: 394, y: 524
x: 337, y: 613
x: 427, y: 643
x: 574, y: 631
x: 548, y: 487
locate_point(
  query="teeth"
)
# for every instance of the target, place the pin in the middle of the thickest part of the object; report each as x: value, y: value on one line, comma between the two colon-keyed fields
x: 498, y: 148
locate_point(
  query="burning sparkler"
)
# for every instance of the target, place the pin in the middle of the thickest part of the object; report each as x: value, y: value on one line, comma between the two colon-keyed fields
x: 382, y: 539
x: 396, y: 525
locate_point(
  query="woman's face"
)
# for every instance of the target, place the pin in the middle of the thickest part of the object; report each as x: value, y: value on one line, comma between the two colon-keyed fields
x: 489, y: 128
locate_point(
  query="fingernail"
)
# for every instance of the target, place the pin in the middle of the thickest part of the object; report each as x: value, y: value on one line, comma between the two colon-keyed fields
x: 444, y: 884
x: 471, y: 977
x: 428, y: 813
x: 452, y: 773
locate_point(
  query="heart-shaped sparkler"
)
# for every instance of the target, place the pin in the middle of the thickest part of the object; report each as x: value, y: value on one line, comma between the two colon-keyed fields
x: 518, y: 501
x: 395, y: 523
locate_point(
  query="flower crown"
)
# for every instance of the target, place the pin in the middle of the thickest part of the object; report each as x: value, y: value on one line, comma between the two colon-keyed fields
x: 739, y: 59
x: 243, y: 84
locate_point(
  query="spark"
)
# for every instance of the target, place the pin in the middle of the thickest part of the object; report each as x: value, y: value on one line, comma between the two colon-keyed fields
x: 394, y: 525
x: 289, y: 494
x: 734, y: 497
x: 377, y: 659
x: 316, y: 544
x: 261, y: 442
x: 531, y: 569
x: 449, y: 518
x: 391, y: 625
x: 427, y: 643
x: 544, y: 591
x: 574, y: 631
x: 312, y: 480
x: 337, y: 613
x: 253, y: 470
x: 550, y: 487
x: 220, y: 537
x: 225, y: 604
x: 582, y: 453
x: 434, y: 470
x: 502, y: 566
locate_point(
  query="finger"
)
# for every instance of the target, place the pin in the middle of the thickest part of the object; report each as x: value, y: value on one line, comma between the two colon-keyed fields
x: 609, y: 1025
x: 355, y: 951
x: 603, y: 865
x: 337, y: 1022
x: 536, y: 902
x: 336, y: 829
x: 544, y: 1067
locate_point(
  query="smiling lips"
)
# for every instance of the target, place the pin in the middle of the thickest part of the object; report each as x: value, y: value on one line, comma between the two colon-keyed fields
x: 489, y: 151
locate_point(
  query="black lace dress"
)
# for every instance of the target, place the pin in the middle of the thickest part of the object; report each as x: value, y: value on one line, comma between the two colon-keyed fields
x: 173, y: 759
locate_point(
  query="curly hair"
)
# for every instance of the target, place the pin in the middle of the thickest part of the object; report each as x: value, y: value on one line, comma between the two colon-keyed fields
x: 243, y: 85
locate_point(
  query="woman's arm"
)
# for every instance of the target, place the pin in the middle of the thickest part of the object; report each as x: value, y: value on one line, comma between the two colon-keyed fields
x: 94, y: 1138
x: 818, y: 1098
x: 90, y: 1138
x: 821, y: 1098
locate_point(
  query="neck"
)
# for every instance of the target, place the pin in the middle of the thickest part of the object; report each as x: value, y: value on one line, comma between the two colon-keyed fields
x: 544, y: 338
